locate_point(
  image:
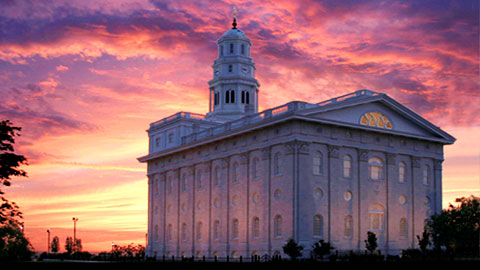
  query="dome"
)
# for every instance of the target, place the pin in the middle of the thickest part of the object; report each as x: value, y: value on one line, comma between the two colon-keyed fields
x: 233, y: 33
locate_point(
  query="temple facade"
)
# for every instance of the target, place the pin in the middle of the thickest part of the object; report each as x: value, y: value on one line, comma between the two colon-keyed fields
x: 238, y: 182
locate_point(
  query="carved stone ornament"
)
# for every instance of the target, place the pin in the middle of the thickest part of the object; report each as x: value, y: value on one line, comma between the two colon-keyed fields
x: 363, y: 155
x: 290, y: 147
x: 416, y: 162
x: 303, y: 147
x: 391, y: 159
x: 333, y: 151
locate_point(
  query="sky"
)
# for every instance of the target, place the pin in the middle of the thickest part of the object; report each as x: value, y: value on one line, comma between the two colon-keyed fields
x: 85, y: 78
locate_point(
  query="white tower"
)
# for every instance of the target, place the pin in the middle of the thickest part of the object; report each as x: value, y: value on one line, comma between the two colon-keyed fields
x: 234, y: 89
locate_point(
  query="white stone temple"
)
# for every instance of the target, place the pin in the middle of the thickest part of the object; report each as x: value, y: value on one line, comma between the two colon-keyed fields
x: 238, y: 182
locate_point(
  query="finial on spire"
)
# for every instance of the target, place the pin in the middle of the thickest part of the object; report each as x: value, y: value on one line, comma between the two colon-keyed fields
x: 234, y: 24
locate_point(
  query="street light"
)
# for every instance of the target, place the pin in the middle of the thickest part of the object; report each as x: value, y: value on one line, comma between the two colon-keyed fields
x: 74, y: 234
x: 48, y: 241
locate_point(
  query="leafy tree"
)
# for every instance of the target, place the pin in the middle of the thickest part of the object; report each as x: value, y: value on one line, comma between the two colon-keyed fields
x: 69, y: 245
x: 131, y: 251
x: 9, y: 167
x: 78, y: 245
x: 13, y: 244
x: 371, y: 242
x: 292, y: 249
x: 54, y: 246
x: 424, y: 241
x: 321, y: 248
x: 458, y: 227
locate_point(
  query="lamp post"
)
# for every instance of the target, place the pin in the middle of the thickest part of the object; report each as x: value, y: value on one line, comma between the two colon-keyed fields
x: 74, y: 234
x: 48, y: 241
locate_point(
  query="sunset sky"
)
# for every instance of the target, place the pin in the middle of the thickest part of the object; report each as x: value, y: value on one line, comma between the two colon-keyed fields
x: 85, y: 78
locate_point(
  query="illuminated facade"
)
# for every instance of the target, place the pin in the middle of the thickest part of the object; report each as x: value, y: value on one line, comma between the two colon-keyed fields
x: 238, y: 182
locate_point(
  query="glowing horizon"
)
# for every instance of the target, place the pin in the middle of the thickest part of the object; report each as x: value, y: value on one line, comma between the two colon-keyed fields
x: 85, y: 79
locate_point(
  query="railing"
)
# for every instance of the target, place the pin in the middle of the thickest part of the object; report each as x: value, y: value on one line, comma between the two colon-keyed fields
x: 254, y: 118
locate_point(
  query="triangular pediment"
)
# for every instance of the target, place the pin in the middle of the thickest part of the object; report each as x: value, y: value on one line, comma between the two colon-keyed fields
x: 380, y: 113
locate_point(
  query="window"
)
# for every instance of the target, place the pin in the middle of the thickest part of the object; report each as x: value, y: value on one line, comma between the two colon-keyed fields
x: 199, y: 231
x: 348, y: 227
x: 170, y: 138
x: 375, y: 119
x: 242, y: 48
x: 184, y: 232
x: 227, y: 97
x: 230, y: 68
x: 235, y: 229
x: 277, y: 226
x: 255, y: 168
x: 403, y: 228
x: 215, y: 99
x: 157, y: 142
x: 243, y: 97
x: 199, y: 179
x: 169, y: 185
x: 235, y: 172
x: 216, y: 176
x: 426, y: 174
x: 318, y: 163
x: 184, y: 182
x: 232, y: 96
x: 375, y: 168
x: 231, y: 47
x: 317, y: 226
x: 221, y: 50
x: 376, y: 214
x: 216, y: 230
x: 401, y: 172
x: 247, y: 97
x: 347, y: 166
x: 276, y: 163
x: 256, y: 227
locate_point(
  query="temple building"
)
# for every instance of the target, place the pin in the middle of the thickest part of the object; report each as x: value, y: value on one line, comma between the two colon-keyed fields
x: 238, y: 182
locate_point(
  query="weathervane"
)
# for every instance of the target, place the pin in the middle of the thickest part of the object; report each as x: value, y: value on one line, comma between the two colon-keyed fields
x: 234, y: 24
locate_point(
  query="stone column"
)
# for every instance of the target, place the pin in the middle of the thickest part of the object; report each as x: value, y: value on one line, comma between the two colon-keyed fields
x: 151, y: 184
x: 389, y: 174
x: 245, y: 163
x: 226, y: 165
x: 437, y: 185
x: 332, y: 165
x: 362, y: 174
x: 416, y: 181
x: 267, y: 165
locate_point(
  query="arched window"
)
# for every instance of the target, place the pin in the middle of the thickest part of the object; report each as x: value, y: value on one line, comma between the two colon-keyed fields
x: 243, y: 97
x: 318, y: 163
x: 183, y: 234
x: 402, y: 167
x: 375, y: 168
x: 403, y: 228
x: 221, y: 50
x: 276, y: 163
x: 230, y: 68
x: 376, y: 215
x: 169, y: 232
x: 317, y: 226
x: 199, y: 179
x: 216, y: 176
x: 247, y: 97
x: 169, y: 185
x: 347, y: 166
x: 235, y: 228
x: 231, y: 47
x: 232, y: 96
x: 375, y: 119
x: 227, y: 97
x: 235, y: 172
x: 426, y: 174
x: 216, y: 230
x: 277, y: 226
x: 256, y: 227
x: 243, y: 49
x: 199, y: 231
x: 184, y: 182
x: 348, y: 226
x: 215, y: 98
x: 255, y: 168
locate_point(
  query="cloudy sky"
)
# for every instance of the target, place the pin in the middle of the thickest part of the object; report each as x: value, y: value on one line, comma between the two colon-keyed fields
x: 85, y: 78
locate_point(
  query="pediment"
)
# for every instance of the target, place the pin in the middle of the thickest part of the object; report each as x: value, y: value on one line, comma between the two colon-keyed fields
x: 382, y: 114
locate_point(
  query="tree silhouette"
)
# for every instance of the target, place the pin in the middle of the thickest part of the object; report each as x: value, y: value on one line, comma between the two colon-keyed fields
x: 54, y: 246
x: 371, y: 242
x: 9, y: 167
x: 321, y: 248
x: 69, y: 245
x: 292, y: 249
x: 13, y: 244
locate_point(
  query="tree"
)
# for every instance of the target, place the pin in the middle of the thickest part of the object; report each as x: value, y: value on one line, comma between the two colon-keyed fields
x: 9, y: 167
x: 69, y: 245
x: 54, y: 246
x: 424, y: 241
x: 371, y: 242
x: 78, y: 245
x: 458, y: 227
x: 292, y: 249
x: 13, y: 245
x: 321, y: 248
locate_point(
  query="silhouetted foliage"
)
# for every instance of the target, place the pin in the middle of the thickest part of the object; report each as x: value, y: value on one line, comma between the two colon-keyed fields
x: 13, y: 244
x: 55, y: 245
x: 69, y: 245
x: 321, y: 248
x: 424, y: 241
x: 457, y: 228
x: 371, y: 242
x: 292, y: 249
x: 130, y: 252
x: 9, y: 167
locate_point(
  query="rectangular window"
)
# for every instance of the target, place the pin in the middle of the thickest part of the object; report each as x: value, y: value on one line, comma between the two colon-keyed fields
x: 170, y: 138
x: 231, y: 48
x: 230, y: 68
x: 157, y: 142
x: 243, y: 49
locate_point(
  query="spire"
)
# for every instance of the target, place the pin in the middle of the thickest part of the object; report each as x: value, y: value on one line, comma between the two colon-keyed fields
x: 234, y: 24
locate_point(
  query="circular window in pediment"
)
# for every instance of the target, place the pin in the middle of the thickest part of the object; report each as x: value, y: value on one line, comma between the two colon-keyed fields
x: 376, y: 119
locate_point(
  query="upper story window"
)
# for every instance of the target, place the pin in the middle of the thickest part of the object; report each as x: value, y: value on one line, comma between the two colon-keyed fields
x: 255, y: 168
x: 184, y: 182
x: 235, y: 172
x: 216, y: 176
x: 157, y: 141
x: 348, y: 226
x: 231, y: 48
x: 230, y: 68
x: 376, y: 215
x: 216, y: 98
x: 242, y: 48
x: 199, y: 179
x: 276, y: 164
x: 375, y: 119
x: 221, y: 50
x: 426, y: 174
x: 277, y: 226
x: 402, y: 168
x: 256, y: 227
x: 318, y: 163
x: 232, y: 96
x: 375, y: 168
x: 169, y: 185
x: 170, y: 138
x: 227, y: 97
x: 347, y: 166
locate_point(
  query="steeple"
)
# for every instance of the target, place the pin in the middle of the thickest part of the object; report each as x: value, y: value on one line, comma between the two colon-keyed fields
x: 233, y: 89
